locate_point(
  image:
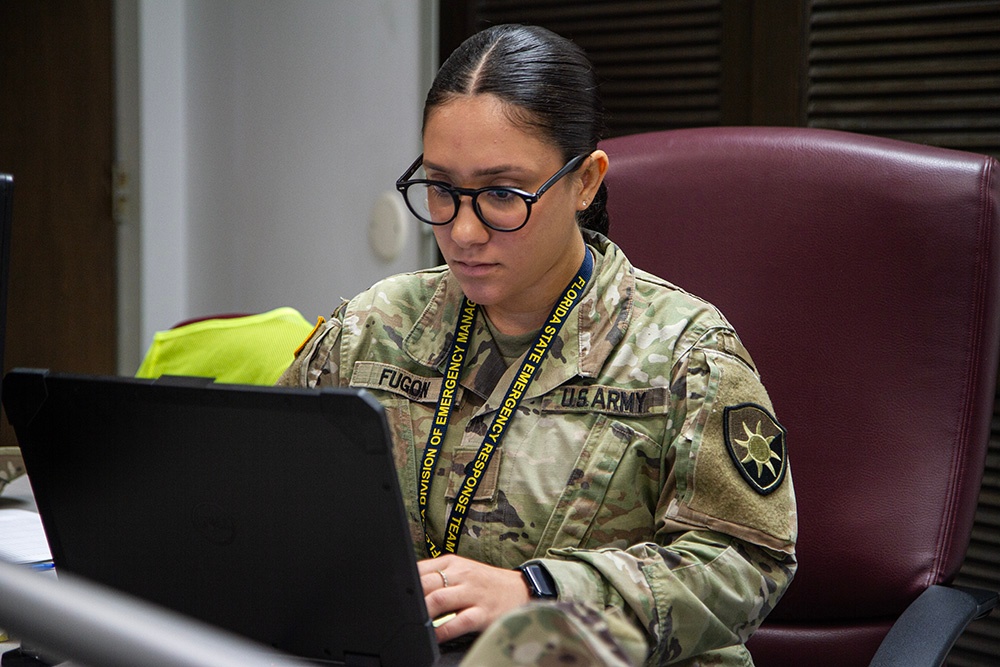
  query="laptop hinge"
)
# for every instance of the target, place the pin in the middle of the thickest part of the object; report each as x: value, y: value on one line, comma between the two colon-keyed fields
x: 184, y: 381
x: 361, y: 660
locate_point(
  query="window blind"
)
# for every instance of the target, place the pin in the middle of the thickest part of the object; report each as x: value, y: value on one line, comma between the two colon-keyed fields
x: 927, y: 72
x: 659, y: 61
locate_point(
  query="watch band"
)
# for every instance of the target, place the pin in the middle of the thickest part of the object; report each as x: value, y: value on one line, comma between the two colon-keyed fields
x: 540, y: 582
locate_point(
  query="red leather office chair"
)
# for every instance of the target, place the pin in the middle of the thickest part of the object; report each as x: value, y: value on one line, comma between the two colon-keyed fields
x: 863, y: 275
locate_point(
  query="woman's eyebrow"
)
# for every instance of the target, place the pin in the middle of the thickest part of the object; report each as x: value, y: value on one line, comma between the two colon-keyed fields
x: 488, y: 171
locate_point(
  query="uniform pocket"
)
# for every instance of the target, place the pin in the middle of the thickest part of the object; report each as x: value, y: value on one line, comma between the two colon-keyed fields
x: 462, y: 464
x: 610, y: 494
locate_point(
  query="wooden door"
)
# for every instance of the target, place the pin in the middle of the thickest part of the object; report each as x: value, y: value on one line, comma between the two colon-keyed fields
x: 56, y: 138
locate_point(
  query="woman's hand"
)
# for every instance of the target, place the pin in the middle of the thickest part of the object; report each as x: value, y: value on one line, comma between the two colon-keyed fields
x: 476, y: 593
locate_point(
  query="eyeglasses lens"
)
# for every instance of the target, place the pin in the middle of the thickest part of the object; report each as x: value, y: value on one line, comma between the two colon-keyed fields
x: 500, y: 209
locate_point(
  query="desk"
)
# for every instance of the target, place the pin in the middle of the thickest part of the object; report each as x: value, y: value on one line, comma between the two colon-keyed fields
x: 16, y: 495
x: 216, y: 649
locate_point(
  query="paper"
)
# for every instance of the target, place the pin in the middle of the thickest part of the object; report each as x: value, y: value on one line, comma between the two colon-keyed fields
x: 22, y: 538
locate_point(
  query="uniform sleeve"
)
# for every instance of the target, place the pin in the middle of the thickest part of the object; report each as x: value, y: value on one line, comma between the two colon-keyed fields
x: 723, y: 551
x: 317, y: 360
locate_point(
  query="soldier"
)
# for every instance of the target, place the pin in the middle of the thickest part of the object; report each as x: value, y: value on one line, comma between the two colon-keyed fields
x: 592, y: 468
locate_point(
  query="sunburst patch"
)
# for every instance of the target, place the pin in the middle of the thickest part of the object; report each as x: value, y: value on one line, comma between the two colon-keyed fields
x: 756, y: 443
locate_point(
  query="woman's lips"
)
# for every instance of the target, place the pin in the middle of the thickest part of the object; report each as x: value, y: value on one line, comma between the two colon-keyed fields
x: 474, y: 269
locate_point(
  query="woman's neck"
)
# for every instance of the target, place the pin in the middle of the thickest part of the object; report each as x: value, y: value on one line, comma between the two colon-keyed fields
x: 517, y: 323
x: 527, y: 317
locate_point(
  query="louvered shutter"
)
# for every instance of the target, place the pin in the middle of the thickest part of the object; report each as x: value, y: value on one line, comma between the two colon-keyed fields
x: 979, y: 646
x: 927, y: 72
x: 659, y: 62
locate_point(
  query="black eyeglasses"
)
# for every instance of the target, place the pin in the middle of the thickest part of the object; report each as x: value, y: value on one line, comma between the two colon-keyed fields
x: 500, y: 208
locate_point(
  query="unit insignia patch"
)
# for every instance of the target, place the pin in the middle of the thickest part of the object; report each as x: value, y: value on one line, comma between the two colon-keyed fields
x: 756, y: 443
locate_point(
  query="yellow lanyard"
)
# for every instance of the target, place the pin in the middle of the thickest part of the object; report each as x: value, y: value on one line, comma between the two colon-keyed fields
x: 498, y: 428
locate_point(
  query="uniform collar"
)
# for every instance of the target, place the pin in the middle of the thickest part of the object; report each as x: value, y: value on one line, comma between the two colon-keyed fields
x: 586, y: 341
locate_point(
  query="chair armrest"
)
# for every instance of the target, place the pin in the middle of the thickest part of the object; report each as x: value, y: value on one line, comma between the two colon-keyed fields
x: 926, y: 631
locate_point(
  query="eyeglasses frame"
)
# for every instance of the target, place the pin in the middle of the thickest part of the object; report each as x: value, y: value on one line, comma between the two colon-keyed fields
x: 403, y: 183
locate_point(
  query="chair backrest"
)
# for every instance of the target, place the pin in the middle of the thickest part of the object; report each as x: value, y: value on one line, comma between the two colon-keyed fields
x: 863, y: 275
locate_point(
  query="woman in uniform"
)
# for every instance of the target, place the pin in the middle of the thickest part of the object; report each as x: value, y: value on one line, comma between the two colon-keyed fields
x: 592, y: 469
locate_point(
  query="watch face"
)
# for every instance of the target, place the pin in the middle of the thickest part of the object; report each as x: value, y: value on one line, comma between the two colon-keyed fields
x: 539, y: 580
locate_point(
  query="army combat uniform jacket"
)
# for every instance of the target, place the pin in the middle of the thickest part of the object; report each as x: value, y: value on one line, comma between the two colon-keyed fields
x: 643, y: 467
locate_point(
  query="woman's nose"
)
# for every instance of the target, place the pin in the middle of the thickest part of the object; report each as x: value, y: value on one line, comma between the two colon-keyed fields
x: 467, y: 229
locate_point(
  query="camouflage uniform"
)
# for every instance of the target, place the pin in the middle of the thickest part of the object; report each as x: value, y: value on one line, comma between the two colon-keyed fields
x: 643, y: 468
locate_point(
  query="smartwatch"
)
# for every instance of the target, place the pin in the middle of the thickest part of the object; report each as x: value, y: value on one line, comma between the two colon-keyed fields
x: 540, y: 582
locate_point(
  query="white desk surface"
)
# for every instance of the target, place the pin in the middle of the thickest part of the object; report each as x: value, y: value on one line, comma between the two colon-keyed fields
x: 16, y: 495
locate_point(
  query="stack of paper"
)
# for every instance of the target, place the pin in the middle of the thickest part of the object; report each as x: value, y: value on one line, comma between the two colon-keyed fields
x: 22, y: 538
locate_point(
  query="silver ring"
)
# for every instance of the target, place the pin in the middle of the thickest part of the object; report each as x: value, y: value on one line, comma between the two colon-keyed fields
x: 444, y: 578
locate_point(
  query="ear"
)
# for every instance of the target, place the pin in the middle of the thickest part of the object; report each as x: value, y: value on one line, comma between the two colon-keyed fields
x: 591, y: 177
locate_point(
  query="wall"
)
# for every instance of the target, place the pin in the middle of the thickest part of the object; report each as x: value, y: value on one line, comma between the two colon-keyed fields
x: 267, y: 129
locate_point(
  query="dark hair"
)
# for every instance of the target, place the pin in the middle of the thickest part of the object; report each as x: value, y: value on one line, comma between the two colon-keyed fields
x: 547, y: 83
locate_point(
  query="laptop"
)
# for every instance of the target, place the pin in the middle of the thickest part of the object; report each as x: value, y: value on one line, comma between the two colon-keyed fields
x: 274, y: 513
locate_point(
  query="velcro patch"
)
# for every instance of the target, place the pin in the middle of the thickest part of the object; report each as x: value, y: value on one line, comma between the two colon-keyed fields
x: 756, y: 443
x: 386, y: 377
x: 606, y: 399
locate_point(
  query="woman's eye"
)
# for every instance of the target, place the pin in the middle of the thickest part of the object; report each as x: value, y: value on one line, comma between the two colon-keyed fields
x: 438, y: 192
x: 499, y: 197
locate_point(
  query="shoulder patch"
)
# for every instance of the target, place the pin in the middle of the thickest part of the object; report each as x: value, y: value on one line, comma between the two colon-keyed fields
x: 756, y: 443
